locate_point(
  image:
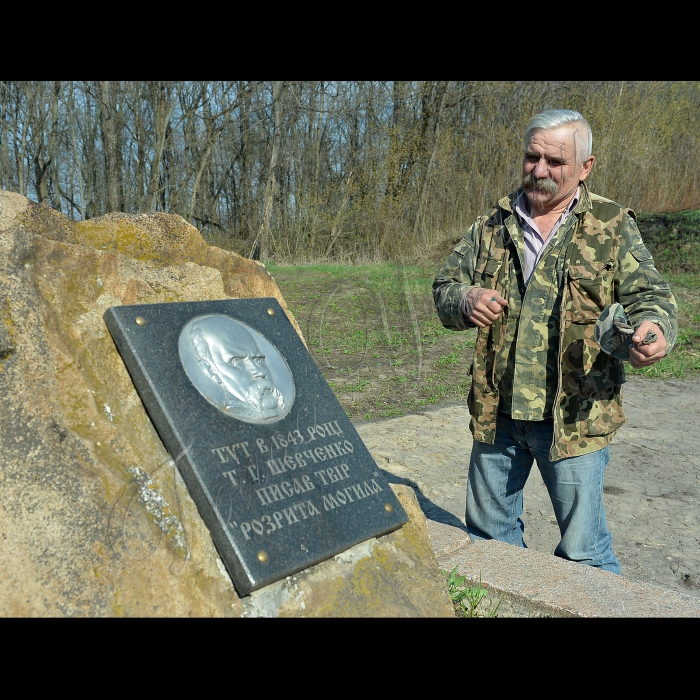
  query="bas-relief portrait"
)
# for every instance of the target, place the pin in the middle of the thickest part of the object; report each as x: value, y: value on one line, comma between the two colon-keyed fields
x: 236, y: 369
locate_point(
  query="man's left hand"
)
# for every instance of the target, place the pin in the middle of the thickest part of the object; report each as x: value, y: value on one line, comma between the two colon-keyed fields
x: 647, y: 355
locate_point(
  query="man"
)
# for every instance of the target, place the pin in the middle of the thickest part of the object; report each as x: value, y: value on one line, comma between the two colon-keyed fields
x: 533, y: 274
x: 230, y: 357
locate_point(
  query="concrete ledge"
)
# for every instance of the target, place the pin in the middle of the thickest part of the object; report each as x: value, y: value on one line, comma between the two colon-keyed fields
x: 550, y: 586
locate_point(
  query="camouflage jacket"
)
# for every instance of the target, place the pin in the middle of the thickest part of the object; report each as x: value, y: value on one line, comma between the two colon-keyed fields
x: 540, y: 353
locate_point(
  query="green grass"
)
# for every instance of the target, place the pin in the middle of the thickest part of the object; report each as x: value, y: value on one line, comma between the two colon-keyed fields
x: 469, y: 601
x: 376, y: 337
x: 673, y: 239
x: 684, y: 359
x: 374, y: 333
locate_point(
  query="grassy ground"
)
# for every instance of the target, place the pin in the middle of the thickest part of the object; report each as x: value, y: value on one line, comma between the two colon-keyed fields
x: 373, y: 331
x: 685, y: 357
x: 674, y: 241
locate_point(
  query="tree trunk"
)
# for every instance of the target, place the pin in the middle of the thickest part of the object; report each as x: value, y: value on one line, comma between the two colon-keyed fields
x: 109, y: 144
x: 264, y: 232
x: 55, y: 146
x: 428, y: 169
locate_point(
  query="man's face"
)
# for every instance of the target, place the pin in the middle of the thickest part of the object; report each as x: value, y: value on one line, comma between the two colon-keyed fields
x: 240, y: 364
x: 551, y: 168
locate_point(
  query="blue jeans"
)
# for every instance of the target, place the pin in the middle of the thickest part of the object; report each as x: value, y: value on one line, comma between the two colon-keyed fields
x: 497, y: 476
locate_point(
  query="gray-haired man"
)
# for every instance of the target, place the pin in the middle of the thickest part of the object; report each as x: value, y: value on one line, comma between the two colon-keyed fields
x: 534, y: 274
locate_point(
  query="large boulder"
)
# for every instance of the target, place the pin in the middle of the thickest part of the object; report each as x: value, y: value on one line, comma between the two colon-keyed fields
x: 94, y: 518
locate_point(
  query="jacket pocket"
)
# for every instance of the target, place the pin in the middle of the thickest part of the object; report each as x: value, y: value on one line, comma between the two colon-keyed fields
x: 590, y: 291
x: 641, y: 253
x: 600, y: 409
x: 646, y: 264
x: 462, y: 248
x: 486, y: 272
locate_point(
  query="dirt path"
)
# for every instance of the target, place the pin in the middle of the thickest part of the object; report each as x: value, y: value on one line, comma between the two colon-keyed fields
x: 652, y: 491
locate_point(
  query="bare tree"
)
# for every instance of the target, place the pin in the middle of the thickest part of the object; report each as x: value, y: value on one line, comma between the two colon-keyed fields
x: 263, y: 233
x: 330, y: 169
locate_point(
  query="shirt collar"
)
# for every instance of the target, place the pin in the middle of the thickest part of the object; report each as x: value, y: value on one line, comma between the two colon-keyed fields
x: 521, y: 206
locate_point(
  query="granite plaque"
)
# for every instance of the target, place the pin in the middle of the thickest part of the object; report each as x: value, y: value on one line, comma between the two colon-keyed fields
x: 276, y: 468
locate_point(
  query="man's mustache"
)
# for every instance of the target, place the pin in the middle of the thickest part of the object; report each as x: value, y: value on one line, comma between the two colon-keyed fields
x: 543, y: 183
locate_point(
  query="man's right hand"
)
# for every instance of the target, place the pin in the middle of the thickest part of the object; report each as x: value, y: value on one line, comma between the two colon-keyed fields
x: 482, y: 306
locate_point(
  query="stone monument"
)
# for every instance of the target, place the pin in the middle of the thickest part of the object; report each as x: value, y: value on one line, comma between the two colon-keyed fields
x: 95, y: 519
